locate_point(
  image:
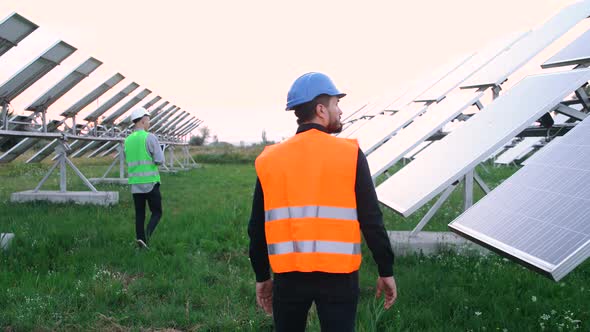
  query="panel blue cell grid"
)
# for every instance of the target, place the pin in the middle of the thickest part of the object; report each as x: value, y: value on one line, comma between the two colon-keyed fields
x: 498, y: 70
x: 451, y: 158
x: 539, y: 216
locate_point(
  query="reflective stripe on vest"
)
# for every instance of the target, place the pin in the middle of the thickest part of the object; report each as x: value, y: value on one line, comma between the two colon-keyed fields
x: 311, y: 211
x: 326, y: 247
x: 310, y: 204
x: 140, y: 164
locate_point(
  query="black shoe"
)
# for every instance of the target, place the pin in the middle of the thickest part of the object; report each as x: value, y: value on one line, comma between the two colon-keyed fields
x: 141, y: 244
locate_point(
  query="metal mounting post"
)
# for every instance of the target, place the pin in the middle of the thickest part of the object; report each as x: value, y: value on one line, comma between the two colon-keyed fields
x: 4, y: 114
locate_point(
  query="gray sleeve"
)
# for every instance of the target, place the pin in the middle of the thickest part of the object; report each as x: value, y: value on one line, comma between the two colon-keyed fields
x: 153, y: 146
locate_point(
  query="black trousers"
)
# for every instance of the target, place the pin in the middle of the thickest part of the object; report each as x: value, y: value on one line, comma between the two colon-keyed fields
x: 154, y: 200
x: 335, y: 297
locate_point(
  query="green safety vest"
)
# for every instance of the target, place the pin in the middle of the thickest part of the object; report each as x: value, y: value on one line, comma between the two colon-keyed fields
x: 140, y: 164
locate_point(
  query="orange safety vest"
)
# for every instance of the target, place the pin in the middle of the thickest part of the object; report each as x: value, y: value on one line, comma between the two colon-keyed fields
x: 311, y: 221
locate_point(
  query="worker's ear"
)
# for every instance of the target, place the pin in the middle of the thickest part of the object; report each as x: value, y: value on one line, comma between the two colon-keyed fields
x: 321, y: 111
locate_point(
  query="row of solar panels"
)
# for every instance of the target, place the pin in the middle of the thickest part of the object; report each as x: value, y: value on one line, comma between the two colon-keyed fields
x: 540, y: 216
x: 168, y: 121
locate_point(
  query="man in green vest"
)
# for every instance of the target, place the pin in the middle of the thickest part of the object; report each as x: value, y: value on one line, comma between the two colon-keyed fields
x: 143, y: 154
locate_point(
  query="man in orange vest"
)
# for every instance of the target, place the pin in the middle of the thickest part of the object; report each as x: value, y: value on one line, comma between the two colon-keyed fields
x: 313, y: 198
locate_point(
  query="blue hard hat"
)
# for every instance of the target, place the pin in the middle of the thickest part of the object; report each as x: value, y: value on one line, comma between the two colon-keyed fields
x: 309, y: 86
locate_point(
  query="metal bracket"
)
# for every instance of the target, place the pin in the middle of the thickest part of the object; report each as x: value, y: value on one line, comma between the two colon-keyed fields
x: 62, y: 162
x: 571, y: 112
x: 496, y: 91
x: 468, y: 181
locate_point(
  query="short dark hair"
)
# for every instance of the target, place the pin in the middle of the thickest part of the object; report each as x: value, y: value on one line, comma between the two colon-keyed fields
x: 306, y: 112
x: 135, y: 121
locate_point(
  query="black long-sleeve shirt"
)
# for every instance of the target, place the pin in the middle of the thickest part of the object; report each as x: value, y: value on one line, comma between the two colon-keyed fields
x: 369, y: 216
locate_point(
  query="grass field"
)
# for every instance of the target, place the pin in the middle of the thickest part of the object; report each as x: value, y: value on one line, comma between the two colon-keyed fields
x: 77, y: 268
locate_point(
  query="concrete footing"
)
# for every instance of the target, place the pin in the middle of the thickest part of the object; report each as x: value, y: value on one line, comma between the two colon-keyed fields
x: 80, y: 197
x: 431, y: 243
x: 5, y: 239
x: 109, y: 180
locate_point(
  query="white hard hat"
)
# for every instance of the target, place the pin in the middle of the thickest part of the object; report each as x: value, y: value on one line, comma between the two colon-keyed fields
x: 138, y: 113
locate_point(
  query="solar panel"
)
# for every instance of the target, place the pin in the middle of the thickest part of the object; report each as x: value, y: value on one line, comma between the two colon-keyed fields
x: 185, y: 125
x: 109, y: 120
x: 355, y: 114
x: 517, y: 151
x: 163, y: 119
x: 539, y: 216
x: 498, y: 70
x: 25, y: 144
x: 427, y: 83
x: 155, y: 111
x: 385, y: 126
x: 418, y: 131
x: 578, y: 52
x: 172, y: 124
x: 111, y: 102
x: 190, y: 128
x: 35, y: 70
x: 350, y: 130
x: 401, y: 101
x: 415, y: 151
x: 460, y: 151
x: 152, y: 102
x: 93, y: 95
x: 65, y: 85
x: 454, y: 79
x: 168, y: 122
x: 13, y: 30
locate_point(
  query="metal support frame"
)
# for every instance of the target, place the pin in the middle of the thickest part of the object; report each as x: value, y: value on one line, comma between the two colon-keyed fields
x: 496, y: 91
x: 119, y: 159
x: 583, y: 98
x: 4, y: 114
x: 172, y: 160
x: 571, y: 112
x: 63, y: 162
x: 469, y: 179
x: 188, y: 160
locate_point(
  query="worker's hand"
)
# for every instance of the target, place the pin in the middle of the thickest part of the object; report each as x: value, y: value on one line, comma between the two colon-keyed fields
x: 387, y: 285
x: 264, y: 295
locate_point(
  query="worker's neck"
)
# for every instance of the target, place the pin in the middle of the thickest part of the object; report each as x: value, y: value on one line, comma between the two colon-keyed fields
x: 315, y: 121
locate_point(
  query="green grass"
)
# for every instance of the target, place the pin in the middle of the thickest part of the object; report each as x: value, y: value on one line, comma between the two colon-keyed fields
x: 76, y: 267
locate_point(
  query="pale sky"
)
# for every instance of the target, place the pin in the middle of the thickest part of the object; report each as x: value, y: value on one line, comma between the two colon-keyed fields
x: 231, y: 63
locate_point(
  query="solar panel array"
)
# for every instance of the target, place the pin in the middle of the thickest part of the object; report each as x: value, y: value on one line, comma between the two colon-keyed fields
x: 482, y: 134
x: 418, y: 131
x: 576, y: 53
x: 539, y: 216
x: 519, y: 150
x: 498, y: 70
x: 19, y: 133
